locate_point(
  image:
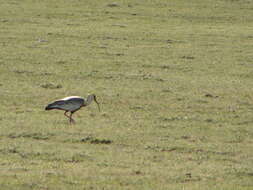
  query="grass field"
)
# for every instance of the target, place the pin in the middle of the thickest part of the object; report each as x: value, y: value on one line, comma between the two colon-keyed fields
x: 174, y: 79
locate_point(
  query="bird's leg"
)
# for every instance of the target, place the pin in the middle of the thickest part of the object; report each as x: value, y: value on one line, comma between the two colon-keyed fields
x: 65, y: 113
x: 70, y: 118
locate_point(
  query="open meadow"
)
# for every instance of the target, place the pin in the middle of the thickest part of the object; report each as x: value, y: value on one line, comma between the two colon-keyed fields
x: 174, y: 79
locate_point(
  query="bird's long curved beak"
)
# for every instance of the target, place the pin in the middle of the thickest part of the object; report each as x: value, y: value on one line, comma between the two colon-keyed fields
x: 97, y: 104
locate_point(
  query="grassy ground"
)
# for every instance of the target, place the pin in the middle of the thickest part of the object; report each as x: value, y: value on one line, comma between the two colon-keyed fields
x: 174, y: 79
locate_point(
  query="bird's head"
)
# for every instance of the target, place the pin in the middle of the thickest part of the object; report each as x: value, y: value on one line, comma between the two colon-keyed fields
x: 93, y: 97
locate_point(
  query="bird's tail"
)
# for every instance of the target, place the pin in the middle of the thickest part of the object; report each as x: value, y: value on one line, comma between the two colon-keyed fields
x: 50, y: 107
x: 55, y: 105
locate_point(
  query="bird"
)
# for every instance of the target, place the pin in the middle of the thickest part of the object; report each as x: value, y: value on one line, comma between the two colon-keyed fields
x: 72, y: 104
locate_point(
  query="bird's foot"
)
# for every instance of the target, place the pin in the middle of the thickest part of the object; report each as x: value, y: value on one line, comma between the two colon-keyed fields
x: 72, y: 121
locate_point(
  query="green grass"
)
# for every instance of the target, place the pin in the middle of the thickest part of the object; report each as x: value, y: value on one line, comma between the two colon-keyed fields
x: 174, y: 79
